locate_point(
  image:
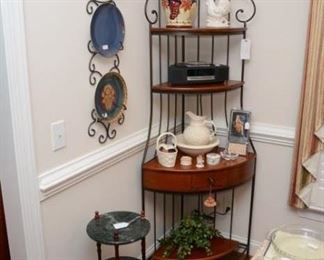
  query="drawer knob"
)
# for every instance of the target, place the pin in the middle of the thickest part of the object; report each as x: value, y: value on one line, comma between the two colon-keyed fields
x: 211, y: 181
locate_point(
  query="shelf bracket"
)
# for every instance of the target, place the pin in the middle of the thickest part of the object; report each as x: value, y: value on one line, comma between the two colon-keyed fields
x: 241, y: 11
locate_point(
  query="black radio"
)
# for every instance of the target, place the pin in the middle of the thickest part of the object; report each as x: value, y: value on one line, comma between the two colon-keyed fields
x: 197, y: 73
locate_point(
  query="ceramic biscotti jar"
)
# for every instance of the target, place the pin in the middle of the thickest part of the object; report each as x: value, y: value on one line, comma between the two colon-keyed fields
x: 179, y: 13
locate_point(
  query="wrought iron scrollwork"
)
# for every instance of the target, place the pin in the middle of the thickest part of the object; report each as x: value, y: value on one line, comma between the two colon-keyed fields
x: 94, y: 73
x: 107, y: 131
x: 95, y: 3
x: 241, y: 11
x: 153, y: 12
x: 91, y: 130
x: 116, y: 64
x: 122, y: 117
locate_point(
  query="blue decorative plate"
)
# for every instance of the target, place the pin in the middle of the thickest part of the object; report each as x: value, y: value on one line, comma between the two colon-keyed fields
x: 111, y: 96
x: 107, y: 30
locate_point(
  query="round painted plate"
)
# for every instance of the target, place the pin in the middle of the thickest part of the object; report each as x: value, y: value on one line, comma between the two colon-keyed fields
x: 111, y: 96
x: 107, y: 30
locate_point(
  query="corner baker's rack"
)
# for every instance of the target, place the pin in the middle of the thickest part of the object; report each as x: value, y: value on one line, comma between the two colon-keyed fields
x: 94, y: 77
x: 153, y: 18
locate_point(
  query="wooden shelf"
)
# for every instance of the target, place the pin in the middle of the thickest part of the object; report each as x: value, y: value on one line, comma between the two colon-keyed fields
x: 198, y: 88
x: 198, y: 31
x: 189, y: 179
x: 219, y: 246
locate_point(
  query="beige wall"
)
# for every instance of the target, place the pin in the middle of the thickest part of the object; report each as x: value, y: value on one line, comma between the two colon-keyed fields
x: 66, y: 215
x: 57, y: 36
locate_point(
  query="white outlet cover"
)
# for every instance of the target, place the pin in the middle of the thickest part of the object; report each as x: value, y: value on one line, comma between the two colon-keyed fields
x: 58, y: 135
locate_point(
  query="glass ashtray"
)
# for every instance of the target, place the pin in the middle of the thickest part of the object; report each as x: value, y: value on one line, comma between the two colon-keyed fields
x: 226, y: 155
x: 294, y: 242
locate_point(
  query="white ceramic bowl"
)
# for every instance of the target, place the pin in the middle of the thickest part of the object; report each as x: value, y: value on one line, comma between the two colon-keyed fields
x: 195, y: 150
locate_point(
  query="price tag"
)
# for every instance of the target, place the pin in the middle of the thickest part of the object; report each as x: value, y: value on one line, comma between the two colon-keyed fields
x: 105, y: 47
x: 245, y: 49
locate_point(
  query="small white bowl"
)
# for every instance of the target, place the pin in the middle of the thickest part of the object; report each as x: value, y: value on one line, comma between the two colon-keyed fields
x: 213, y: 158
x: 195, y: 150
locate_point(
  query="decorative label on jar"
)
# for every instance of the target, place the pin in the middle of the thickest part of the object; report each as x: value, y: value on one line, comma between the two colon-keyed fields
x: 179, y: 13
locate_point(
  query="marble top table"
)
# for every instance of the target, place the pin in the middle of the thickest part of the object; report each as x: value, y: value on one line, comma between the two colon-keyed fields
x: 101, y: 230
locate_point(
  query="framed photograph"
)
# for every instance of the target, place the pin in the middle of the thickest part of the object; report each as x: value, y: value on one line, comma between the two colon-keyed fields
x: 239, y: 126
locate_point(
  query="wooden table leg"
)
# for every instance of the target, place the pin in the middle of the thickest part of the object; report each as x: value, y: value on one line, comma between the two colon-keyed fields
x: 99, y: 250
x: 143, y: 249
x: 116, y: 252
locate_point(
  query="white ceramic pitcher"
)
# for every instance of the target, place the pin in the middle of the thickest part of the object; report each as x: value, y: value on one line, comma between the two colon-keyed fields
x: 199, y: 131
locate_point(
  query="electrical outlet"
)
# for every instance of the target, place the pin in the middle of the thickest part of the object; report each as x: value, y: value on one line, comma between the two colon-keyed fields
x: 58, y: 135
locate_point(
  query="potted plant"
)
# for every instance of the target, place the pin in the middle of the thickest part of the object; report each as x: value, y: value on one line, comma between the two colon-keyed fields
x: 193, y: 232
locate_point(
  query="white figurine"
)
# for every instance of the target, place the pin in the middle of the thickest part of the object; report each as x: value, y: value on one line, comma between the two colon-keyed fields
x: 200, y: 162
x: 218, y: 13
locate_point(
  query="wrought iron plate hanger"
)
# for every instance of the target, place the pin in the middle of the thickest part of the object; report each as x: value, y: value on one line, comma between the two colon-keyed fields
x: 109, y: 132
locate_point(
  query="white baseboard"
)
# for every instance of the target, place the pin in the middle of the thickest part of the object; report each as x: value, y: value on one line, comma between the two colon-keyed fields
x: 254, y: 245
x: 70, y: 173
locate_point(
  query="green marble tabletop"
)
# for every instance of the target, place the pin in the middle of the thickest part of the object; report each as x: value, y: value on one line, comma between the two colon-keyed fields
x: 102, y: 231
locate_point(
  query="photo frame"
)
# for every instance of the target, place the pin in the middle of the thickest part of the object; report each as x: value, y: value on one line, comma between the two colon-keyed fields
x: 239, y: 126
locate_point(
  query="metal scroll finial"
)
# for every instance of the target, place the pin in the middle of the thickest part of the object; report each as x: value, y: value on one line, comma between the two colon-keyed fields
x: 240, y: 11
x: 95, y: 3
x: 153, y: 12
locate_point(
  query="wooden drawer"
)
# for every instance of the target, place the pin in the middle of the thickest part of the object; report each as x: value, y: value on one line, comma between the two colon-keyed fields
x: 181, y: 179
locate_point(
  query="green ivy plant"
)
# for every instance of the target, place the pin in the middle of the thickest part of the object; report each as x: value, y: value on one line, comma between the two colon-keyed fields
x: 192, y: 232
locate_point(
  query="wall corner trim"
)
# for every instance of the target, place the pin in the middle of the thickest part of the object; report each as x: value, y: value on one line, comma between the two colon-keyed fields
x: 64, y: 176
x: 27, y: 194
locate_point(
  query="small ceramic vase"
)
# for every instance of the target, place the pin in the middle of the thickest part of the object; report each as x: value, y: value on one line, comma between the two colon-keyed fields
x: 179, y: 13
